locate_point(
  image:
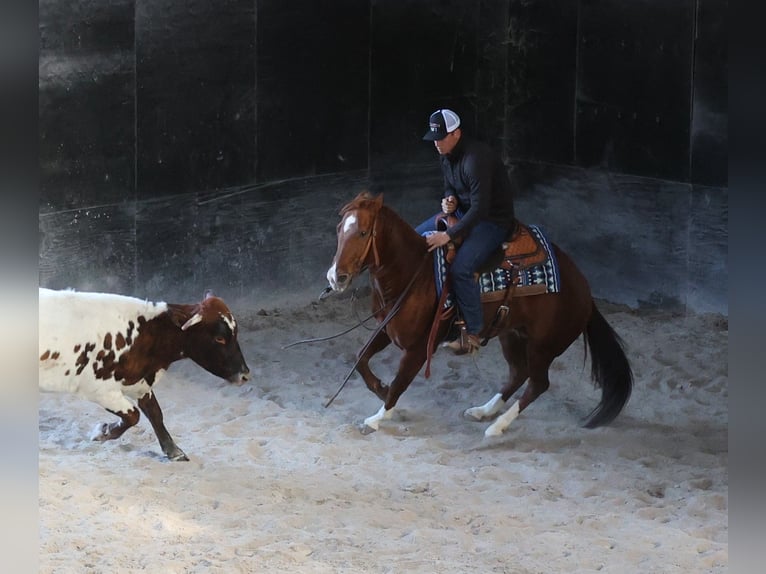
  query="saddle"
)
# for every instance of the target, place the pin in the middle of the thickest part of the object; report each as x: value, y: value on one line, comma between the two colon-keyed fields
x: 520, y: 249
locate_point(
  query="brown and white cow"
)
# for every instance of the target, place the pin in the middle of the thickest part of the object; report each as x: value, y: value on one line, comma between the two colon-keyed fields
x: 111, y: 349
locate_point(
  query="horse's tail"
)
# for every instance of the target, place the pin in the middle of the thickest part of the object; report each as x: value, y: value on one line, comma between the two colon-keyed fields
x: 610, y: 369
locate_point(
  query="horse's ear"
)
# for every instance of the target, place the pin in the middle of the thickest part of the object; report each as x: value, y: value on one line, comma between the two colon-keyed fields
x: 378, y: 200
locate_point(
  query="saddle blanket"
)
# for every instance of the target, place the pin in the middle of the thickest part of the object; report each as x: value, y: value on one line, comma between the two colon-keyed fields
x: 499, y: 279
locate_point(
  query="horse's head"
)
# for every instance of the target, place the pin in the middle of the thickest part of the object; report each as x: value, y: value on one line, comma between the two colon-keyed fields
x: 356, y: 237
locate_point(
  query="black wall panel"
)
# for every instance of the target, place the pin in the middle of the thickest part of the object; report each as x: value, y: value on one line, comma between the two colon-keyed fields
x: 634, y: 78
x: 86, y: 145
x: 488, y: 101
x: 195, y: 101
x: 423, y: 57
x: 710, y: 126
x: 639, y: 241
x: 541, y: 43
x: 313, y: 82
x: 86, y: 103
x: 91, y: 248
x: 255, y: 247
x: 707, y: 279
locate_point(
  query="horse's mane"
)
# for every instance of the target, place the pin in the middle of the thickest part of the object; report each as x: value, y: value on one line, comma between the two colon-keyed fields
x: 361, y: 200
x: 371, y: 202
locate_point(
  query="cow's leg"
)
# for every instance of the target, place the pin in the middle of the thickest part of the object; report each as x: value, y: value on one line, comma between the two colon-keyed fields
x: 151, y: 408
x: 110, y: 431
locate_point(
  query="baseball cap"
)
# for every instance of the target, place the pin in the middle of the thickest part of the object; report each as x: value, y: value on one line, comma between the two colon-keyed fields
x: 441, y: 123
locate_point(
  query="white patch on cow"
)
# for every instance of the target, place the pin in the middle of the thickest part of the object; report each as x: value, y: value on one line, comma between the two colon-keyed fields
x: 69, y: 320
x: 230, y: 322
x: 348, y: 222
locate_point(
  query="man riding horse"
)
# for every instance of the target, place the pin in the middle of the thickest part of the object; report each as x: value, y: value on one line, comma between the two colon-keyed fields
x: 477, y: 192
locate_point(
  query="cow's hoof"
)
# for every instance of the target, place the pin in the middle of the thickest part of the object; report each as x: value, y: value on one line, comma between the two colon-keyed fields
x: 180, y: 456
x: 100, y: 432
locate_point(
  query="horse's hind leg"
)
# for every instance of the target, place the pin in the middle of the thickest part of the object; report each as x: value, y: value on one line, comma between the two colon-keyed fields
x: 514, y: 345
x: 539, y: 361
x: 380, y: 342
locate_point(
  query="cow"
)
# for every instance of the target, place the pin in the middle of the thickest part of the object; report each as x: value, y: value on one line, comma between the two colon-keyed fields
x: 111, y: 349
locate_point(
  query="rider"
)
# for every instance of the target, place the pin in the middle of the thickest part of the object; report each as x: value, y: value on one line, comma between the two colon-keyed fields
x: 477, y: 190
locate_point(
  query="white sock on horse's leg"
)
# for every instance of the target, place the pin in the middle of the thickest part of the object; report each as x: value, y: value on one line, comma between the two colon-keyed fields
x: 486, y: 410
x: 502, y: 422
x: 374, y: 421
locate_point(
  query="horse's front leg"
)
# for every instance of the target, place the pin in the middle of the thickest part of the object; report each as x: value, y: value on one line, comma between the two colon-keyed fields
x: 409, y: 365
x: 380, y: 342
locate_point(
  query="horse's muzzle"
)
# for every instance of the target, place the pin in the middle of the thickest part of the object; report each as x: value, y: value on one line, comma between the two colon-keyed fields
x: 338, y: 281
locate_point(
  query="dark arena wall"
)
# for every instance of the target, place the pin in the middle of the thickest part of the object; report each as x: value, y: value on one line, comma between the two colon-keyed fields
x: 193, y: 144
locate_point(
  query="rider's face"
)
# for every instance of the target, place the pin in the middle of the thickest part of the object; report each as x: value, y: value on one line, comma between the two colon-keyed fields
x: 446, y: 145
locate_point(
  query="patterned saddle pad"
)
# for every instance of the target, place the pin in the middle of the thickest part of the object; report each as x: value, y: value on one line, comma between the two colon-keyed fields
x: 538, y: 268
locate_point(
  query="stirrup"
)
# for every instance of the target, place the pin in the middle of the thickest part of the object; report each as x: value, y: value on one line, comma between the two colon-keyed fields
x: 465, y: 344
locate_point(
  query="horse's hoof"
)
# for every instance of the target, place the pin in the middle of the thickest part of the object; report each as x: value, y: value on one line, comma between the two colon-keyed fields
x: 473, y: 414
x: 366, y: 429
x: 492, y: 432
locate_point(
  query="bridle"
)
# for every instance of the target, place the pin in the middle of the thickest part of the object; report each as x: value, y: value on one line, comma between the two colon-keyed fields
x: 371, y: 244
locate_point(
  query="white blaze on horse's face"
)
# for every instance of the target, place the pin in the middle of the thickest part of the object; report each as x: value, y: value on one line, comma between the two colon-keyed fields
x: 349, y: 222
x: 332, y: 278
x: 346, y: 226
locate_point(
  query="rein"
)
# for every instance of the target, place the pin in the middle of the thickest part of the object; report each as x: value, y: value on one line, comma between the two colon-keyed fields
x: 360, y: 323
x: 391, y: 314
x: 328, y: 337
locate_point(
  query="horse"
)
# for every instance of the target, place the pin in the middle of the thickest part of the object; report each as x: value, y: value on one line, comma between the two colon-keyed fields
x: 536, y: 329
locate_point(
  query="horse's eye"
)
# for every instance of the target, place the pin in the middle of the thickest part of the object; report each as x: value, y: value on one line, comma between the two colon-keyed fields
x: 362, y: 233
x: 220, y: 340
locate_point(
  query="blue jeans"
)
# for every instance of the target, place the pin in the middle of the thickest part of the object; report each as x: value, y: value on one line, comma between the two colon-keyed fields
x: 476, y: 248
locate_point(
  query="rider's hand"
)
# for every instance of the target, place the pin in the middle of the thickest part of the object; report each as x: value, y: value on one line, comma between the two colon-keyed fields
x: 437, y: 239
x: 449, y: 204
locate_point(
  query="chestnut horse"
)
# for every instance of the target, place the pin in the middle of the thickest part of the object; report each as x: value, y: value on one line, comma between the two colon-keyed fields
x: 537, y: 329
